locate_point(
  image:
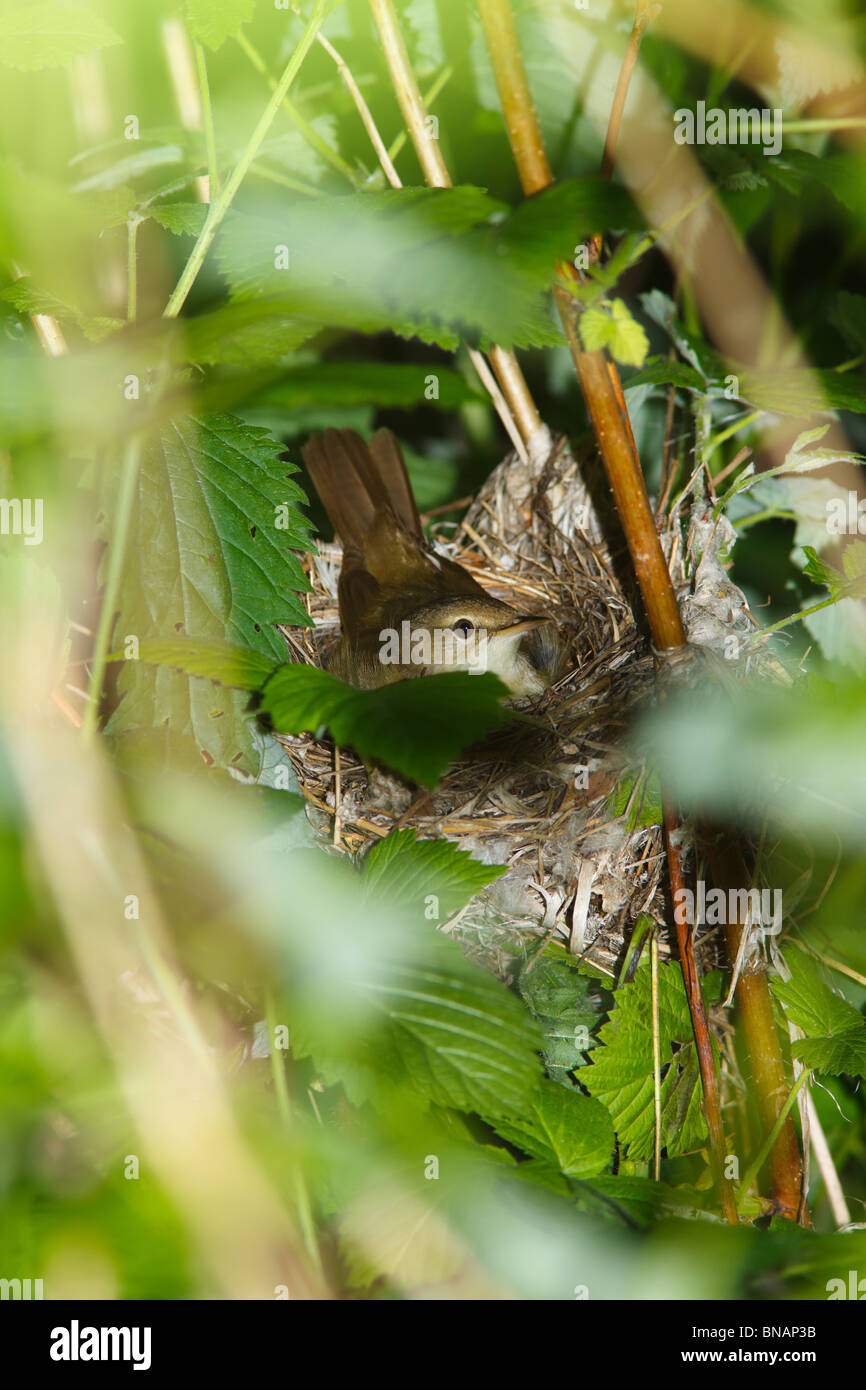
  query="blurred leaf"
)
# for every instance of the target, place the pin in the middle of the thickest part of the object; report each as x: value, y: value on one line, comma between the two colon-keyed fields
x: 572, y: 1130
x: 131, y: 167
x: 182, y: 219
x: 29, y: 299
x: 803, y: 393
x: 462, y: 1038
x: 620, y: 1072
x: 418, y: 727
x: 835, y: 1031
x: 434, y: 265
x: 848, y: 314
x: 49, y: 33
x: 794, y: 754
x: 214, y: 21
x: 389, y: 384
x: 658, y: 371
x: 211, y: 555
x: 222, y: 662
x: 432, y: 877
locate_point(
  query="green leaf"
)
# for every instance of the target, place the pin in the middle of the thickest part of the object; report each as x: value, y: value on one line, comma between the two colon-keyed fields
x: 214, y: 21
x: 620, y: 1072
x: 390, y: 384
x: 821, y: 573
x: 571, y: 1130
x: 658, y: 371
x: 29, y: 299
x: 802, y: 393
x: 223, y: 662
x: 462, y: 1038
x: 433, y: 878
x: 418, y: 727
x: 434, y: 264
x: 629, y: 343
x: 851, y: 583
x: 181, y: 219
x: 835, y: 1040
x: 596, y: 328
x: 210, y: 556
x: 848, y: 313
x: 566, y: 1004
x: 49, y: 33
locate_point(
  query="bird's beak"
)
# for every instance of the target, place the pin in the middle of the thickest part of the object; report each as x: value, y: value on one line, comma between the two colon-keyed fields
x: 524, y: 625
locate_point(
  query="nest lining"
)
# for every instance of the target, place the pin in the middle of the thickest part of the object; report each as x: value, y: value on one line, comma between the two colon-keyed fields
x: 538, y: 800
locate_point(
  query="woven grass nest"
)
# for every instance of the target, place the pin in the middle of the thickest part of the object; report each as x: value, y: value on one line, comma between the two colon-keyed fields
x: 541, y: 536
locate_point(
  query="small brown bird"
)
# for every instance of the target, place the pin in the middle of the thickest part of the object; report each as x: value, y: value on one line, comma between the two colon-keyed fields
x: 405, y: 610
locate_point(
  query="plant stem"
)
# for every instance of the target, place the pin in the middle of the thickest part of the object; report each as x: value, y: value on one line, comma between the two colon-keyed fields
x: 220, y: 206
x: 207, y: 118
x: 511, y: 379
x: 763, y: 1153
x: 132, y: 227
x: 116, y: 554
x: 310, y: 134
x: 796, y: 617
x: 284, y: 1105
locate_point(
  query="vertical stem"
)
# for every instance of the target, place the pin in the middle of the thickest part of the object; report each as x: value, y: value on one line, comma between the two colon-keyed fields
x: 132, y: 227
x: 116, y: 555
x: 207, y: 116
x: 223, y: 202
x: 505, y: 364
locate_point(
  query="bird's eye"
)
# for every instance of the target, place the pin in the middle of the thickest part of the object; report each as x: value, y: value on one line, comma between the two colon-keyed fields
x: 463, y: 625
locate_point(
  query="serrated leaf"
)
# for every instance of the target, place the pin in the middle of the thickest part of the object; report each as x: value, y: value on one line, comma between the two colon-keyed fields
x: 29, y: 299
x: 629, y: 343
x: 215, y: 525
x: 659, y: 371
x: 564, y: 1127
x: 49, y: 33
x: 567, y: 1006
x: 214, y: 21
x: 620, y: 1072
x: 181, y: 219
x: 223, y: 662
x: 462, y: 1038
x: 596, y: 328
x: 835, y: 1040
x: 418, y: 727
x: 433, y: 878
x: 434, y: 265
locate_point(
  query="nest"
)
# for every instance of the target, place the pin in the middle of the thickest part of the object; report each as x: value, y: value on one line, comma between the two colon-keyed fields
x: 558, y: 803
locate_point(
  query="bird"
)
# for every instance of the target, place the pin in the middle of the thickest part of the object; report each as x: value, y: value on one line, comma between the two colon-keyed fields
x: 405, y: 610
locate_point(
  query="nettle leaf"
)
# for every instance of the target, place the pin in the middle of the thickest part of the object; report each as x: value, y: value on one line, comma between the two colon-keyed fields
x: 835, y: 1031
x: 848, y: 584
x: 223, y: 662
x: 432, y: 878
x: 30, y: 299
x: 214, y: 21
x: 422, y: 262
x: 566, y: 1004
x: 49, y: 33
x: 389, y: 384
x: 181, y: 219
x: 215, y: 525
x: 658, y: 371
x: 566, y: 1128
x: 418, y: 727
x: 462, y: 1038
x: 620, y: 1073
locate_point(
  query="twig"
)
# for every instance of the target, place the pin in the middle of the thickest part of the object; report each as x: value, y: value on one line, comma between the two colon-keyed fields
x: 657, y: 1058
x: 310, y: 134
x: 643, y: 16
x: 220, y: 206
x: 511, y: 379
x: 207, y: 114
x: 764, y: 1151
x: 185, y: 81
x: 363, y: 110
x: 823, y: 1158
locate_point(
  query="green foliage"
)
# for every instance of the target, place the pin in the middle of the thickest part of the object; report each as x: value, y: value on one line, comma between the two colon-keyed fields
x: 214, y: 21
x: 620, y: 1074
x: 565, y: 1003
x: 214, y: 528
x: 835, y: 1031
x: 416, y: 727
x: 49, y: 33
x: 433, y: 878
x: 565, y: 1129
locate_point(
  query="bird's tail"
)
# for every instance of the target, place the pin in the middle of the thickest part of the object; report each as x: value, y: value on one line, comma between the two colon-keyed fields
x: 357, y: 481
